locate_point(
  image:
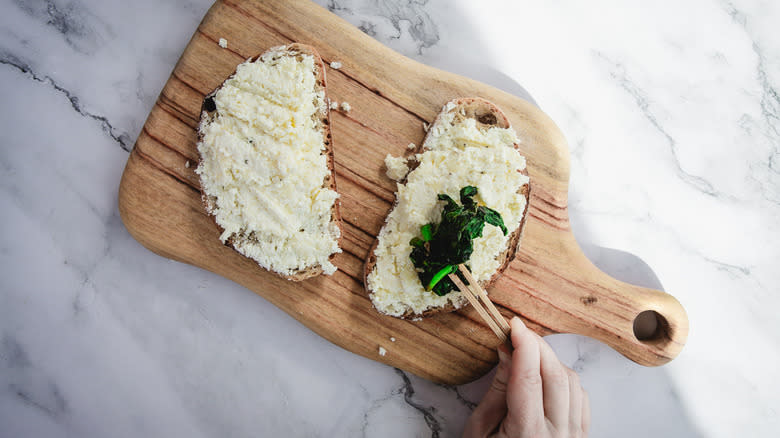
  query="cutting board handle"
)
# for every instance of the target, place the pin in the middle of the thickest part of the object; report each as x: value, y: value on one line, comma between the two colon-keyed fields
x: 647, y: 326
x: 657, y: 325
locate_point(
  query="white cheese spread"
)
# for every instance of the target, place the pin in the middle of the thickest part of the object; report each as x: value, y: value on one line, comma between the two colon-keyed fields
x: 396, y: 167
x: 264, y: 164
x: 456, y: 153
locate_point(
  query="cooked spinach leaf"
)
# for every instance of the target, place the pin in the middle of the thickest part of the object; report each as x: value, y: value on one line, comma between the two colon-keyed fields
x: 443, y: 246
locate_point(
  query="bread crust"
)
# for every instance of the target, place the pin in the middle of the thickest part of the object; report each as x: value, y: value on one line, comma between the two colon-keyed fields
x: 324, y: 115
x: 486, y: 114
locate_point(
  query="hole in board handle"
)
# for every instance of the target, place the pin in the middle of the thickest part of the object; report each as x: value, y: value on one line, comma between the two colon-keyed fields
x: 650, y: 326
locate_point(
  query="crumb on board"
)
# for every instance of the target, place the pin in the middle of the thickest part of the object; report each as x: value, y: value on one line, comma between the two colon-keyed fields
x: 187, y: 164
x: 425, y: 127
x: 382, y: 351
x: 223, y: 43
x: 345, y: 106
x: 334, y: 104
x: 335, y: 65
x: 392, y: 339
x: 411, y: 146
x: 397, y: 168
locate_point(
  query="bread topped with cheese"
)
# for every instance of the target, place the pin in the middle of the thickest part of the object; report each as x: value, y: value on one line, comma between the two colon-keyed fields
x: 471, y: 143
x: 266, y: 163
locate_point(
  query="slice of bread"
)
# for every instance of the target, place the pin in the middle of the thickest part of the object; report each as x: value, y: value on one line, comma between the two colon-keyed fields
x: 470, y: 143
x: 266, y: 163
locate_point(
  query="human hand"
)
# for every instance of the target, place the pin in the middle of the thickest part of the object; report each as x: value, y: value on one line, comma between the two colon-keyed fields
x: 533, y: 394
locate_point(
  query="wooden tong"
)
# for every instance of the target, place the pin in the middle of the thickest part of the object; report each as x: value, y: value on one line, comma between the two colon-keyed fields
x: 479, y: 298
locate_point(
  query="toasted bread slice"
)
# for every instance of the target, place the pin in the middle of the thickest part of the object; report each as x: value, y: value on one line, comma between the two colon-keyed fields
x: 294, y: 233
x: 463, y: 147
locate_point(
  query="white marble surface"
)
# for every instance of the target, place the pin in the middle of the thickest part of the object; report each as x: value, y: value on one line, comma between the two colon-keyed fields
x: 671, y: 110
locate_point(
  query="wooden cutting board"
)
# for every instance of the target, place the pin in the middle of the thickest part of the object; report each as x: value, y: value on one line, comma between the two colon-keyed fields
x: 551, y: 284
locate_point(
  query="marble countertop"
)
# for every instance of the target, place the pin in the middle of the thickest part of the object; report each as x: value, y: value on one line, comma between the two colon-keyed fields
x: 672, y: 114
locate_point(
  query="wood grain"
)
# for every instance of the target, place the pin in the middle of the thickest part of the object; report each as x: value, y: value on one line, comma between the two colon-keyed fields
x: 551, y: 284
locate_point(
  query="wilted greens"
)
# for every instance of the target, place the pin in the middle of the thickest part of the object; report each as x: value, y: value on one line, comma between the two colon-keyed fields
x: 443, y: 246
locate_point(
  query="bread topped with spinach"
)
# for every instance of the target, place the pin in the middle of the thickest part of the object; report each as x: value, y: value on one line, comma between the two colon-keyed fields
x: 466, y: 196
x: 266, y: 163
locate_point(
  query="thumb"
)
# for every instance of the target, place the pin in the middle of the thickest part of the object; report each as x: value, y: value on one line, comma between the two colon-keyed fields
x: 492, y: 409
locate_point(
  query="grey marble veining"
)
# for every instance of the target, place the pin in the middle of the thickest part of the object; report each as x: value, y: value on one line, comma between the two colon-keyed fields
x: 671, y: 112
x: 415, y: 17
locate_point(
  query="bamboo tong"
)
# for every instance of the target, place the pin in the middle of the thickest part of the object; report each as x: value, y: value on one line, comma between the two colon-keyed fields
x: 480, y: 301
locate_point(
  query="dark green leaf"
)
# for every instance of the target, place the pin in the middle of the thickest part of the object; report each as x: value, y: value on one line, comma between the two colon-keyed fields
x: 444, y: 287
x: 475, y: 226
x: 449, y: 243
x: 494, y: 218
x: 451, y: 204
x: 467, y: 197
x: 417, y: 242
x: 468, y: 191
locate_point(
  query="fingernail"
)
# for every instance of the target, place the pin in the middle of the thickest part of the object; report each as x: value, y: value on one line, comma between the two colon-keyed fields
x: 516, y: 320
x: 503, y: 356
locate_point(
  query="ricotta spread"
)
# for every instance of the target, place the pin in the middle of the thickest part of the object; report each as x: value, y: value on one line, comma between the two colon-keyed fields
x: 457, y: 152
x: 264, y: 165
x: 396, y: 167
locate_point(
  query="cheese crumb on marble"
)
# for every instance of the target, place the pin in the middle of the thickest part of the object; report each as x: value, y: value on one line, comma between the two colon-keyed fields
x: 396, y: 167
x: 457, y: 152
x: 382, y: 351
x: 346, y: 107
x: 223, y: 43
x: 335, y: 65
x: 264, y: 164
